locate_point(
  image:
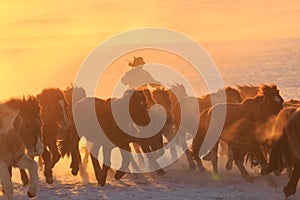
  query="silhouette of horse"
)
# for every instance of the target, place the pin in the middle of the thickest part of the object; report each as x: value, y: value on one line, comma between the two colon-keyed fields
x: 20, y: 128
x: 71, y: 143
x: 285, y: 151
x: 204, y: 102
x: 158, y: 96
x: 239, y: 131
x: 138, y: 110
x: 56, y: 126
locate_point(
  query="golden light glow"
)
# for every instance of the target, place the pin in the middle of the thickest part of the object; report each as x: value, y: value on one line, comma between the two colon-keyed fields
x: 42, y: 43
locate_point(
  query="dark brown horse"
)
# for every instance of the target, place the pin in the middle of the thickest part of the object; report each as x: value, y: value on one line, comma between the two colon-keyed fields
x: 189, y: 103
x: 71, y: 143
x: 56, y: 126
x: 240, y: 127
x: 20, y: 128
x: 114, y: 136
x: 285, y: 148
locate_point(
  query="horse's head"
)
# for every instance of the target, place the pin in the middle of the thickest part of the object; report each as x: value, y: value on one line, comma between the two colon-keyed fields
x: 54, y: 107
x: 179, y: 90
x: 138, y: 107
x: 28, y: 123
x: 161, y: 96
x: 273, y: 102
x: 75, y: 94
x: 232, y: 95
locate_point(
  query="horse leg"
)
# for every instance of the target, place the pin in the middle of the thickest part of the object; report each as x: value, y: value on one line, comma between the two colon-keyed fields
x: 152, y: 160
x: 229, y: 162
x: 126, y: 159
x: 26, y: 162
x: 290, y: 188
x: 214, y: 160
x: 5, y: 178
x: 187, y: 153
x: 106, y: 164
x: 239, y: 162
x: 94, y: 157
x: 255, y: 147
x: 141, y: 159
x: 55, y: 154
x: 24, y: 177
x: 47, y: 163
x: 76, y: 158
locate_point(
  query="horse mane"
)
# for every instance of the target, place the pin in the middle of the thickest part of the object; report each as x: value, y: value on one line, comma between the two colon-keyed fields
x: 265, y: 89
x: 77, y: 92
x: 25, y: 104
x: 247, y: 90
x: 50, y: 94
x: 10, y: 109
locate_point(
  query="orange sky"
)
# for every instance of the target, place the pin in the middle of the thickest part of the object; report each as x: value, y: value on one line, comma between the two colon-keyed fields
x: 42, y: 43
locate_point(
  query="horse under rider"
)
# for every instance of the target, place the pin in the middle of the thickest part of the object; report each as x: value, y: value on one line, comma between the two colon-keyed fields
x: 138, y: 76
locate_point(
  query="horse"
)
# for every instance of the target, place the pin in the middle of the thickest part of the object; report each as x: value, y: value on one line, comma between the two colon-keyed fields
x: 56, y: 126
x: 70, y: 145
x: 138, y: 110
x: 20, y: 130
x: 240, y: 127
x: 285, y: 151
x: 160, y: 96
x: 204, y: 102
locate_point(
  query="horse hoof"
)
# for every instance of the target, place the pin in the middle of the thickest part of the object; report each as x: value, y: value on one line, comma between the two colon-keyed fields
x: 102, y: 180
x: 74, y: 172
x: 160, y: 172
x: 288, y: 192
x: 249, y: 180
x: 119, y: 175
x: 49, y: 180
x: 228, y: 167
x: 30, y: 195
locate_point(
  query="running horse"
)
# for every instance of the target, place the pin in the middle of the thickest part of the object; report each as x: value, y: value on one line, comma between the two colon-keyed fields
x: 56, y: 126
x: 71, y: 143
x: 85, y: 114
x: 20, y: 130
x: 285, y: 151
x: 190, y: 103
x: 240, y: 127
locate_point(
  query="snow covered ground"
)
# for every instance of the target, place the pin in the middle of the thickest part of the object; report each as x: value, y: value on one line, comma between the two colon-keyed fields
x: 240, y: 63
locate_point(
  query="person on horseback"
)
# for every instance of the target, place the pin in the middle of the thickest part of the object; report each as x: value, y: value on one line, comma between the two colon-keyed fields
x: 138, y: 76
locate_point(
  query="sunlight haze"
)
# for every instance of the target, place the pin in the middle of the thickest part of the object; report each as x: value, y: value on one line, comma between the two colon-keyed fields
x: 43, y: 43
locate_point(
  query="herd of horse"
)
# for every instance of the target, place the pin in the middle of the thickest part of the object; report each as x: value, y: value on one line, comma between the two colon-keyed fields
x: 259, y: 128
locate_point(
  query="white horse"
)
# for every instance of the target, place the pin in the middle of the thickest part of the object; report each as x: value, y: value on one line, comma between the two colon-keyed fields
x: 20, y: 129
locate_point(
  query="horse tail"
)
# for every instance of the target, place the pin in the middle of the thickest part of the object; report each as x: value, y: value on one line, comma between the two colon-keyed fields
x: 64, y: 146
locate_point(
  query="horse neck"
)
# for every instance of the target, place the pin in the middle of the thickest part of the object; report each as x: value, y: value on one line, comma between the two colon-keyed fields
x: 257, y: 109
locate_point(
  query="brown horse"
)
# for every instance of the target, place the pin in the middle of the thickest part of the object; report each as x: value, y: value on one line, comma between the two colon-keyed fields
x: 71, y: 143
x: 285, y: 147
x: 159, y: 96
x: 240, y: 127
x: 204, y: 102
x: 56, y: 126
x: 84, y: 115
x: 20, y: 128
